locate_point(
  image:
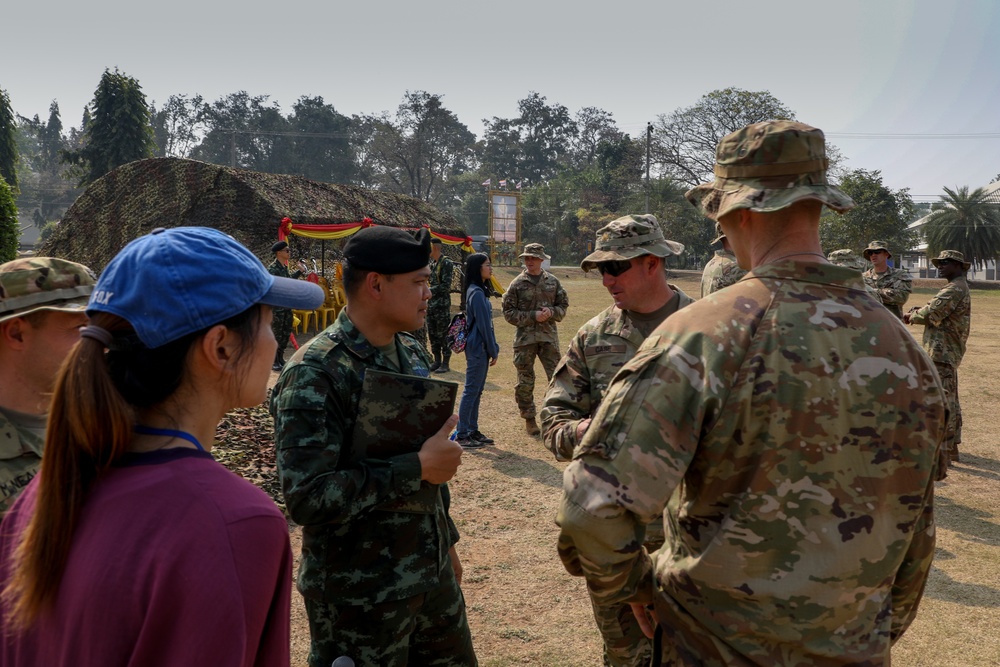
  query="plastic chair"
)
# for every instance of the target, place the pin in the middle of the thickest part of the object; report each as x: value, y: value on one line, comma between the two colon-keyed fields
x: 304, y: 317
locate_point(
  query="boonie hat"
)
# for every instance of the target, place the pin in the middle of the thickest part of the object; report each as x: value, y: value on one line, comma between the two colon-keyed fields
x: 30, y: 284
x: 627, y: 237
x: 952, y: 255
x: 534, y: 250
x: 388, y: 250
x: 154, y: 284
x: 876, y: 245
x: 845, y: 257
x: 766, y: 167
x: 719, y: 234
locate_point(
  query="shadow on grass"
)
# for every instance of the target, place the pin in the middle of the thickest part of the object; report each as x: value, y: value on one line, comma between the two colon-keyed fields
x: 973, y: 524
x: 514, y: 465
x: 979, y: 466
x: 940, y: 586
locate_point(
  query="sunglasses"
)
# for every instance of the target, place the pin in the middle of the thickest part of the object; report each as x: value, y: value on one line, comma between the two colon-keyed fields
x: 615, y: 268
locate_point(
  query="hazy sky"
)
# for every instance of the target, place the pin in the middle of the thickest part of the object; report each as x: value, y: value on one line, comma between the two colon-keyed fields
x: 865, y: 71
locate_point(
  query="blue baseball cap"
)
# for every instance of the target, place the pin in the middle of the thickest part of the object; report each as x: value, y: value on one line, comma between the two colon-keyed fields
x: 174, y: 282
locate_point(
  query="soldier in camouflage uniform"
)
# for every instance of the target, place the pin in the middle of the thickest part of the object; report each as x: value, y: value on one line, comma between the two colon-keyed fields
x: 893, y: 285
x: 722, y: 270
x: 533, y: 303
x: 629, y: 254
x: 946, y: 319
x: 282, y: 322
x: 380, y: 585
x: 42, y: 304
x: 796, y: 424
x: 439, y: 307
x: 845, y: 257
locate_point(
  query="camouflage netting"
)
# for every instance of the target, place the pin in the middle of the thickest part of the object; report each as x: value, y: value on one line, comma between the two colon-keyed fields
x: 170, y: 192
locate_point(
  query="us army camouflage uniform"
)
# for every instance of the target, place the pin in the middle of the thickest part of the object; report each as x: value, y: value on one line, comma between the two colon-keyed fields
x: 798, y: 423
x: 947, y: 320
x: 721, y: 271
x: 526, y: 295
x: 599, y: 349
x: 893, y: 287
x: 439, y: 308
x: 359, y: 561
x: 845, y: 257
x: 281, y: 323
x: 20, y: 458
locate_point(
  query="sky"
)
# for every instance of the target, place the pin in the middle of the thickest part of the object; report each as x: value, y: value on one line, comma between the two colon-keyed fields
x: 909, y: 88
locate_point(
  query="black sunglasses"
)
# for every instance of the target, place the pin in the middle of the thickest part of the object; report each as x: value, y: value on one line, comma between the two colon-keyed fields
x: 615, y: 268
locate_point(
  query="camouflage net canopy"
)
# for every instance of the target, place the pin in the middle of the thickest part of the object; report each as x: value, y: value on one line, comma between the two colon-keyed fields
x: 138, y: 197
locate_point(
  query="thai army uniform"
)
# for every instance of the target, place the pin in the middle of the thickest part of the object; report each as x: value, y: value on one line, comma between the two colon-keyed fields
x: 595, y: 354
x: 30, y: 285
x: 281, y: 322
x: 358, y: 560
x: 721, y: 271
x: 439, y: 310
x: 947, y: 319
x: 770, y: 482
x: 893, y: 286
x: 527, y: 295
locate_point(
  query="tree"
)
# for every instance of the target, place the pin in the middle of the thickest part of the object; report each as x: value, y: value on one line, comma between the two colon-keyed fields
x: 685, y: 140
x: 967, y: 222
x: 594, y: 127
x: 241, y: 131
x: 176, y: 127
x: 535, y: 146
x: 881, y: 214
x: 8, y: 142
x: 319, y: 143
x: 419, y: 152
x: 10, y: 232
x: 119, y: 130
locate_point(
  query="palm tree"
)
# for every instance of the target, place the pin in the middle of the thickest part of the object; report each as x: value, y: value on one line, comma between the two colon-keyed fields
x: 967, y: 222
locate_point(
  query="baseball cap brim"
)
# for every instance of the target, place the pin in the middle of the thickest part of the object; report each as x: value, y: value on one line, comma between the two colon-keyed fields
x: 293, y: 293
x: 663, y: 248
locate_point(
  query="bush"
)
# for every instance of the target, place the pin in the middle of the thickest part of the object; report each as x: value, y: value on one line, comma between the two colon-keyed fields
x: 10, y: 231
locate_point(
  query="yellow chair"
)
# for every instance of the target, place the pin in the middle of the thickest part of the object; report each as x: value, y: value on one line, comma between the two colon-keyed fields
x: 328, y: 308
x: 304, y: 317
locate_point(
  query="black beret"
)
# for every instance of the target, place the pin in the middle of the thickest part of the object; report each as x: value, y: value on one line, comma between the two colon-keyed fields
x: 435, y: 240
x: 280, y: 245
x: 388, y: 250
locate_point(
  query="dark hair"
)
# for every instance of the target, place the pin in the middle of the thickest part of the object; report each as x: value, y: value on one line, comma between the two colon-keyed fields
x: 474, y: 271
x: 353, y: 278
x: 90, y: 428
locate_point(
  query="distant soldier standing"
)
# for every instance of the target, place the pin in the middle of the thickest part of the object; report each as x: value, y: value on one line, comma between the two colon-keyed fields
x: 722, y: 270
x: 282, y: 322
x: 533, y: 303
x: 630, y: 255
x: 946, y: 319
x: 439, y: 307
x: 893, y: 285
x: 845, y: 257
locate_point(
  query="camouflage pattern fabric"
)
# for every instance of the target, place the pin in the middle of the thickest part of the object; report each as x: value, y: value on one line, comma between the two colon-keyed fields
x: 524, y: 362
x: 439, y: 307
x: 526, y: 296
x: 845, y: 257
x: 893, y: 287
x: 794, y: 418
x: 721, y: 271
x: 947, y: 319
x: 348, y: 630
x: 352, y: 552
x: 596, y: 353
x: 31, y: 284
x: 20, y: 459
x: 281, y: 324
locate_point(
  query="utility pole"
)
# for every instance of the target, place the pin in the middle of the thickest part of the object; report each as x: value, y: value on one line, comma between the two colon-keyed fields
x: 649, y: 136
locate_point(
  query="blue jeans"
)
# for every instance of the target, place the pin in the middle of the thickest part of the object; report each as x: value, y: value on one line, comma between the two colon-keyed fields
x: 477, y: 364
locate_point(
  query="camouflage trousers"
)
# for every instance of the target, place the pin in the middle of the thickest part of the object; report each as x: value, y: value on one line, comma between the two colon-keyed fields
x: 281, y: 325
x: 428, y: 629
x: 438, y: 319
x: 524, y: 362
x: 625, y: 645
x: 953, y: 428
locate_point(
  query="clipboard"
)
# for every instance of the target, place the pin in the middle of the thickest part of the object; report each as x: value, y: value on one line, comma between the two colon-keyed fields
x: 396, y: 414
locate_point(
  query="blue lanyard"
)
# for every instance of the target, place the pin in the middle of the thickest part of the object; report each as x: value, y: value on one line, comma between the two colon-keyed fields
x: 149, y: 430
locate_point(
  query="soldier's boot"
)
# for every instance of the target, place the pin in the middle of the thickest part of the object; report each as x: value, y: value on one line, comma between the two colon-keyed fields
x: 437, y: 362
x: 443, y: 368
x: 531, y: 426
x: 279, y: 361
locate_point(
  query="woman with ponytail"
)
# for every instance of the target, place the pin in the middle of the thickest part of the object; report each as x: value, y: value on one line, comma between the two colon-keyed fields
x: 133, y: 546
x: 481, y: 349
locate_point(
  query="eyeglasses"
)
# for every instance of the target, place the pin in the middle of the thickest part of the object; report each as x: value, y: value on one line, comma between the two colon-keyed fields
x: 615, y: 268
x: 876, y: 252
x: 945, y: 262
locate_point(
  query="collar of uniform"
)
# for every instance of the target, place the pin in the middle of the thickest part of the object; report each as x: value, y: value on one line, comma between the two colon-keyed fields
x: 344, y: 332
x: 810, y: 272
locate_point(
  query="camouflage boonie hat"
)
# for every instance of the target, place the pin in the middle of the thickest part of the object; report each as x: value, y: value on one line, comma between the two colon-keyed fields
x: 719, y: 234
x: 952, y: 255
x: 846, y: 258
x: 766, y: 167
x: 43, y: 283
x: 534, y: 250
x: 627, y: 237
x: 876, y: 245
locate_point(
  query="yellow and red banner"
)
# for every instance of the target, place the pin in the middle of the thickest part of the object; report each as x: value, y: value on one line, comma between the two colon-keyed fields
x: 339, y: 231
